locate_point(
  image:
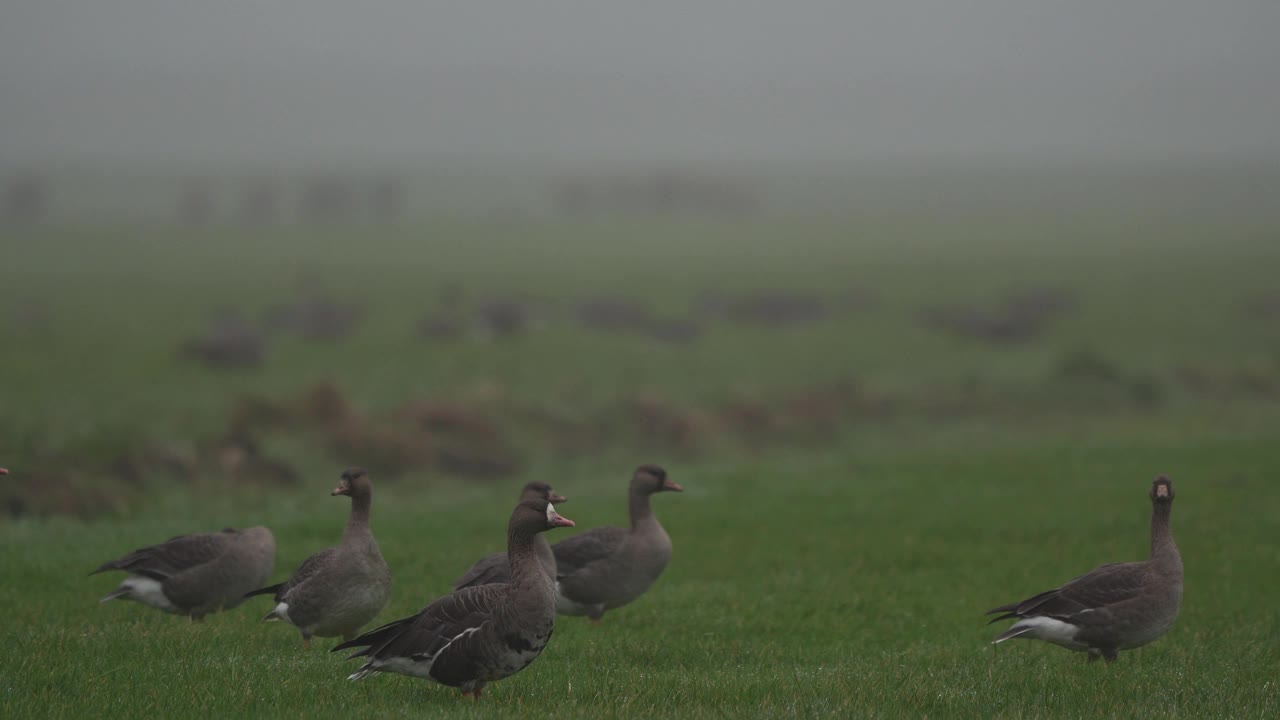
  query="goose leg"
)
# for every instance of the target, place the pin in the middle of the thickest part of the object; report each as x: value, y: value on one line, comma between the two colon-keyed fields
x: 1094, y: 654
x: 1110, y: 655
x: 306, y: 641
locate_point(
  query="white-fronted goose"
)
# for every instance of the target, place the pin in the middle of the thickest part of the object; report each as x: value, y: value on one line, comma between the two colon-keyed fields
x: 608, y: 567
x: 1118, y: 606
x: 495, y: 567
x: 197, y: 574
x: 477, y: 634
x: 337, y: 590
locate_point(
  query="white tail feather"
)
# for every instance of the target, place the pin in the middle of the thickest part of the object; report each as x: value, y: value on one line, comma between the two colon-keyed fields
x: 279, y: 612
x: 1044, y: 628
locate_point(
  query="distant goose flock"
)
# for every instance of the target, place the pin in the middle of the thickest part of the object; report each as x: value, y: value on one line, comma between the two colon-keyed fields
x: 501, y: 612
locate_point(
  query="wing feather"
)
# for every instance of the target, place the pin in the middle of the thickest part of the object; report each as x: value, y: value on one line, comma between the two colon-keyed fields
x: 426, y: 635
x: 1095, y: 590
x: 178, y: 553
x: 492, y: 568
x: 580, y: 551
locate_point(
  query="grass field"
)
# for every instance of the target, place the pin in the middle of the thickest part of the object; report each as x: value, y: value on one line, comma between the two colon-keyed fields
x: 841, y: 575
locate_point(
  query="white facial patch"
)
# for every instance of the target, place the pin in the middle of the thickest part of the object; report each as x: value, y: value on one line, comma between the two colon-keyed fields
x: 551, y: 512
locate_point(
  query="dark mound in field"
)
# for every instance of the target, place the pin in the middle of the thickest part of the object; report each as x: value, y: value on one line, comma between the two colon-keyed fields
x: 229, y: 342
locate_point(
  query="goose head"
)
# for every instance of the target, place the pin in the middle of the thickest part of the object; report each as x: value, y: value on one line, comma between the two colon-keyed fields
x: 355, y: 481
x: 649, y: 479
x: 541, y: 491
x: 535, y: 516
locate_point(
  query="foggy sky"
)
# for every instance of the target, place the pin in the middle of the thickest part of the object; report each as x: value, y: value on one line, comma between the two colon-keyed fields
x: 261, y: 81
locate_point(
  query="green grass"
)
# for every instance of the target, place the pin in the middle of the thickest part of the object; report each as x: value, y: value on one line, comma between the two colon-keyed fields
x: 845, y: 576
x: 847, y: 583
x: 1154, y: 293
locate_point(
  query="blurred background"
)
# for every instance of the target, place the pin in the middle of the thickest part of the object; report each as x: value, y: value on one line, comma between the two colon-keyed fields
x: 249, y: 243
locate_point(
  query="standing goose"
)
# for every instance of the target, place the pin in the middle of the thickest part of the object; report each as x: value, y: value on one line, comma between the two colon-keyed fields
x: 608, y: 567
x: 197, y: 574
x: 337, y: 590
x: 477, y: 634
x: 1118, y: 606
x: 495, y: 567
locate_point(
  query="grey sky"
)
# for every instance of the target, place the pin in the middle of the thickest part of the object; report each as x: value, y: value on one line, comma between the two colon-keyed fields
x: 258, y: 81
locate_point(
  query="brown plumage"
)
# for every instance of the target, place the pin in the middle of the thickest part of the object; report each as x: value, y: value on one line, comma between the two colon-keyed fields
x: 477, y: 634
x: 1118, y: 606
x: 496, y: 567
x: 339, y: 589
x: 608, y: 567
x: 198, y: 574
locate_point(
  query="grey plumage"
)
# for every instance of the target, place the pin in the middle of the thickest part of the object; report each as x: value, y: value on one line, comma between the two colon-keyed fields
x: 340, y: 589
x: 196, y: 574
x: 1117, y: 606
x: 477, y: 634
x: 608, y: 567
x: 495, y: 567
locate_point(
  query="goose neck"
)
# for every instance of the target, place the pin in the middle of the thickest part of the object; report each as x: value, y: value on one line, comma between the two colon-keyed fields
x: 639, y: 509
x: 1161, y: 534
x: 358, y: 520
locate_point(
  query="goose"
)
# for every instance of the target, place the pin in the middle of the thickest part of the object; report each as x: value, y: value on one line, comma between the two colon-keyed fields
x: 494, y: 567
x: 478, y: 634
x: 1114, y: 607
x: 196, y: 574
x: 339, y: 589
x: 607, y: 567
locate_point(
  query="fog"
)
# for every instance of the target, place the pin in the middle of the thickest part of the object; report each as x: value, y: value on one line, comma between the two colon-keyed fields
x: 583, y: 84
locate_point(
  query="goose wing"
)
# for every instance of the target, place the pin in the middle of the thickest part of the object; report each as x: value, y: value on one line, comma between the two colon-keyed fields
x: 1094, y: 591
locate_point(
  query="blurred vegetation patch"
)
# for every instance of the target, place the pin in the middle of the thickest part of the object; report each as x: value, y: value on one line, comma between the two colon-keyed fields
x: 485, y: 433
